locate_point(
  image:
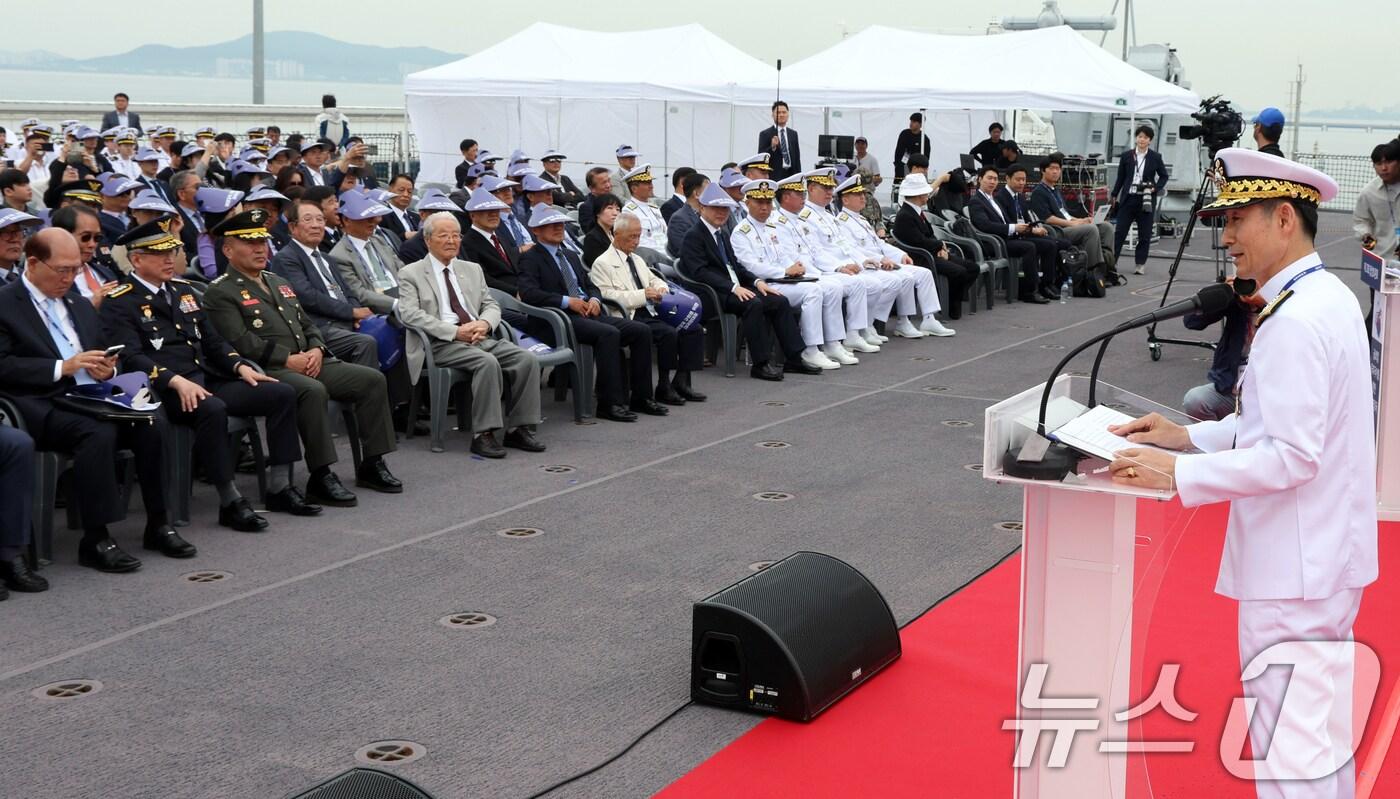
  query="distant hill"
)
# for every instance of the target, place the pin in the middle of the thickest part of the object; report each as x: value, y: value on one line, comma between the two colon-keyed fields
x: 288, y: 55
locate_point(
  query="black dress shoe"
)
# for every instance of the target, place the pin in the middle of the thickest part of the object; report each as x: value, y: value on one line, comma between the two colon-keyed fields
x: 766, y: 371
x: 797, y: 367
x: 328, y: 490
x: 681, y: 385
x: 650, y: 407
x: 523, y: 439
x: 616, y: 413
x: 485, y: 445
x: 16, y: 575
x: 1050, y: 294
x: 668, y: 396
x: 247, y: 464
x: 291, y: 500
x: 1034, y: 299
x: 239, y: 515
x: 106, y: 556
x: 168, y: 543
x: 375, y: 475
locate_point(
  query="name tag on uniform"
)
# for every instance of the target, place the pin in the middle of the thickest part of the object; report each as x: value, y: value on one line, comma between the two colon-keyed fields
x: 187, y: 303
x: 250, y: 301
x: 287, y: 291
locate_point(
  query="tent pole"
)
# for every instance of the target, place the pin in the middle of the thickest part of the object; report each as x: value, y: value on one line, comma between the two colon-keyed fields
x: 729, y: 155
x: 666, y: 139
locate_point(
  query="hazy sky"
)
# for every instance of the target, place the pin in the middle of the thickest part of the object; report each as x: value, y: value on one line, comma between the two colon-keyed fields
x: 1247, y: 49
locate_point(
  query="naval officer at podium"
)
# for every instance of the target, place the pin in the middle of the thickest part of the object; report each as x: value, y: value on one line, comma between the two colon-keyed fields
x: 1297, y: 461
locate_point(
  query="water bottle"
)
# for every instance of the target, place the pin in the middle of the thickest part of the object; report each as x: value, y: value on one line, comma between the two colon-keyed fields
x: 1066, y: 289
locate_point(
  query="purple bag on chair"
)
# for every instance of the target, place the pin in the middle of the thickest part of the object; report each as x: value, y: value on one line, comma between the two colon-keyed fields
x: 680, y: 309
x: 388, y: 338
x: 531, y: 344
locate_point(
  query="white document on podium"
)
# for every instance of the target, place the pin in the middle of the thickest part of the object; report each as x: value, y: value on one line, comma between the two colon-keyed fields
x: 1089, y: 434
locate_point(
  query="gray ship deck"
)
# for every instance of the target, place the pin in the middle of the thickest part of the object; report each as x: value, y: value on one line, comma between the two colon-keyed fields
x: 325, y: 636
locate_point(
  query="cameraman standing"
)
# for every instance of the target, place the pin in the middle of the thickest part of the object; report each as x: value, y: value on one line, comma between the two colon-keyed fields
x: 1268, y: 129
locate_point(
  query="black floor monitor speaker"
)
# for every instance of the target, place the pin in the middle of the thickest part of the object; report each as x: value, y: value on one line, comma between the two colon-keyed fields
x: 791, y: 639
x: 364, y: 783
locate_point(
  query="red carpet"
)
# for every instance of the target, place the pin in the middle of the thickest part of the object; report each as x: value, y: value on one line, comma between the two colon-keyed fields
x: 930, y: 725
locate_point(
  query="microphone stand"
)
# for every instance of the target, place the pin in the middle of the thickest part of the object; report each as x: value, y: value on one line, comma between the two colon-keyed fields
x: 1155, y: 342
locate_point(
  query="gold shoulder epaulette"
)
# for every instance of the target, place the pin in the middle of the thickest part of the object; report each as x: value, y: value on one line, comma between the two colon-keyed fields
x: 1273, y: 306
x: 119, y: 291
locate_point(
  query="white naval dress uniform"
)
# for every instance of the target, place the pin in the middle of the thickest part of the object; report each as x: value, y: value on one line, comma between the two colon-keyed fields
x: 795, y: 244
x: 756, y: 246
x: 1297, y: 462
x: 834, y: 251
x: 126, y: 166
x: 861, y: 236
x: 653, y: 225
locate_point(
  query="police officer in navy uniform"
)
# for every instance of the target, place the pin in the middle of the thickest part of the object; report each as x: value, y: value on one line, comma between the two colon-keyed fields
x: 257, y: 311
x: 201, y: 380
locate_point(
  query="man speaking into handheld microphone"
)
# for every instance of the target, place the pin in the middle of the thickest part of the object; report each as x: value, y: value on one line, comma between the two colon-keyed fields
x: 1297, y: 461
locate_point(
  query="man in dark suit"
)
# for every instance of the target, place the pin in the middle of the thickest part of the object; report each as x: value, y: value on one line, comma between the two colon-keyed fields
x: 708, y: 256
x: 1142, y: 175
x: 16, y: 503
x: 912, y: 141
x: 120, y: 116
x: 489, y: 246
x: 989, y: 217
x: 116, y: 196
x: 568, y: 194
x: 677, y: 198
x: 432, y: 202
x: 553, y: 277
x: 199, y: 378
x: 469, y: 149
x: 314, y: 153
x: 780, y: 142
x: 318, y: 285
x: 599, y: 183
x: 1016, y: 206
x: 51, y: 342
x: 401, y: 221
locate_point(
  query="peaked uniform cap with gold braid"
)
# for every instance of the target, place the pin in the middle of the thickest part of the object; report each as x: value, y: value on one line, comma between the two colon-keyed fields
x: 1245, y: 177
x: 250, y: 225
x: 154, y: 236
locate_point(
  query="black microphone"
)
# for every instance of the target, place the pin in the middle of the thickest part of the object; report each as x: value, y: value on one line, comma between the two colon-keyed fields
x: 1059, y: 460
x: 1214, y: 298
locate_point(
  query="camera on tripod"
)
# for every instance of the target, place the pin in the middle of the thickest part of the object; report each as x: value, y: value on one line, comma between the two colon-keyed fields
x: 1218, y: 125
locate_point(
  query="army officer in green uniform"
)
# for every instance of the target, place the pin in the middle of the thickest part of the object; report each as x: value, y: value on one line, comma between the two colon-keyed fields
x: 258, y: 313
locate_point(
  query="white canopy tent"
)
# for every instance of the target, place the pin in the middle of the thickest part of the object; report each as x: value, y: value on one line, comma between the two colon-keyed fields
x: 870, y: 82
x: 586, y: 93
x: 705, y: 101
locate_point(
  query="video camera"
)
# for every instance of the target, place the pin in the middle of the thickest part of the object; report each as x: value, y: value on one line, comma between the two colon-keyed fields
x: 1219, y: 126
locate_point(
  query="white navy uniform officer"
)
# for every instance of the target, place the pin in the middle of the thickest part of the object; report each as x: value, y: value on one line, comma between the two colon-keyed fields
x: 891, y: 285
x: 640, y: 187
x: 798, y: 243
x: 1297, y: 462
x: 857, y: 230
x: 755, y: 242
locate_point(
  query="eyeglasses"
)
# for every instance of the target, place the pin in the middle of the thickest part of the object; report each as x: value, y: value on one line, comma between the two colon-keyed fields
x: 62, y: 271
x: 87, y: 237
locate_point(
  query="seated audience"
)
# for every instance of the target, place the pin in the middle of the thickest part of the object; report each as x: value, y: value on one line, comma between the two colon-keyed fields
x: 258, y: 313
x: 688, y: 215
x: 39, y: 318
x: 989, y: 217
x: 763, y: 312
x: 625, y: 279
x: 551, y: 276
x: 1096, y: 239
x: 600, y: 238
x: 448, y: 299
x: 677, y: 198
x: 568, y: 194
x: 911, y: 228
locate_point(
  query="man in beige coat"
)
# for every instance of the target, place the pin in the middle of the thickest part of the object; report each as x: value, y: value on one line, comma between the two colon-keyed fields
x: 623, y: 277
x: 447, y: 298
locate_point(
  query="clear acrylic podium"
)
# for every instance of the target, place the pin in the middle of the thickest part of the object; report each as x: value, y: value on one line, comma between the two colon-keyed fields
x: 1385, y: 372
x: 1078, y: 539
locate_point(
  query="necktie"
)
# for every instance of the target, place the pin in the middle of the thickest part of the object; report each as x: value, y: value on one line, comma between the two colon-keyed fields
x: 1016, y: 199
x: 782, y: 144
x: 326, y: 275
x: 637, y: 279
x: 723, y: 256
x: 383, y: 278
x: 66, y: 348
x: 501, y: 251
x: 570, y: 279
x: 94, y: 285
x: 463, y: 315
x: 411, y: 219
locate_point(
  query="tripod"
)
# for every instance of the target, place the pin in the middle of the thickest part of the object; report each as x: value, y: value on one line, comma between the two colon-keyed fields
x: 1154, y: 342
